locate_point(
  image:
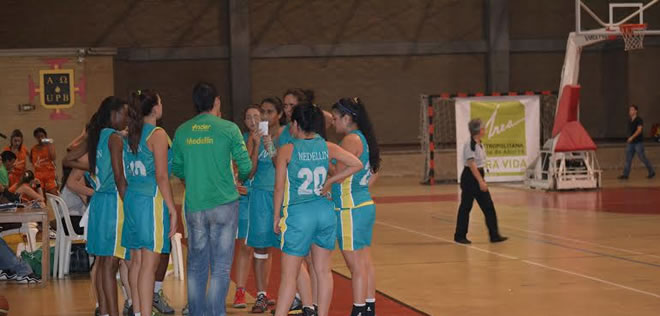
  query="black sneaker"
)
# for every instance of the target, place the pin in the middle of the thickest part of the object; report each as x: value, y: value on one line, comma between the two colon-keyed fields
x: 308, y: 311
x: 371, y: 309
x: 498, y: 239
x: 260, y: 305
x: 622, y: 177
x: 464, y: 241
x: 295, y: 309
x: 28, y: 279
x: 359, y: 311
x: 7, y: 275
x: 651, y: 175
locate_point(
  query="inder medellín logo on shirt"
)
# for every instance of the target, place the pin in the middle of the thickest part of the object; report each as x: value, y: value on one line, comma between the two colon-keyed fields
x: 504, y: 138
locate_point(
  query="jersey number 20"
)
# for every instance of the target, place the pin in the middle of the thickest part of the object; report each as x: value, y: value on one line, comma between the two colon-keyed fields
x: 317, y: 177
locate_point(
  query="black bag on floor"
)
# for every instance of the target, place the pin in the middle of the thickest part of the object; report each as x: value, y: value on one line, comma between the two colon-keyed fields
x: 79, y: 259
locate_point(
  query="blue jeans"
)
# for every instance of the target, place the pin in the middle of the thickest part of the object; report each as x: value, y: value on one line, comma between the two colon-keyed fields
x: 638, y: 148
x: 211, y: 236
x: 9, y: 261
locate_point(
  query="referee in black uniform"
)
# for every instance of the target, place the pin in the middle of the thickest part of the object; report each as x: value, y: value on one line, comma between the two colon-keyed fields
x: 474, y: 187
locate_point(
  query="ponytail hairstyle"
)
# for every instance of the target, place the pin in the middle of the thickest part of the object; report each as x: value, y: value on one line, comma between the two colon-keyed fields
x: 100, y: 120
x: 279, y: 107
x: 358, y: 113
x: 309, y: 118
x: 141, y: 105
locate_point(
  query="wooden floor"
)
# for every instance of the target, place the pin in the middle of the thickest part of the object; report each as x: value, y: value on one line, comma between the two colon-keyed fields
x: 573, y: 253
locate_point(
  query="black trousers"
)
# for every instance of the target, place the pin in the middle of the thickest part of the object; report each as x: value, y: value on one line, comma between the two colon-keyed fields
x: 469, y: 192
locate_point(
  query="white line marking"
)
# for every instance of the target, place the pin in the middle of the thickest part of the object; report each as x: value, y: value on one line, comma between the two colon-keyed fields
x: 633, y: 252
x: 525, y: 261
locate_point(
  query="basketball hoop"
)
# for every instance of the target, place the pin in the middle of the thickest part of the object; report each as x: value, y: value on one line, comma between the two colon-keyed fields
x: 633, y: 35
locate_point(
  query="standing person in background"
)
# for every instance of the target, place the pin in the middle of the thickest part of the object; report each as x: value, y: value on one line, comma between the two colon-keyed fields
x: 635, y: 144
x: 16, y: 146
x: 356, y: 211
x: 303, y: 216
x: 474, y: 187
x: 204, y: 148
x: 42, y: 157
x: 148, y: 202
x: 261, y: 236
x: 243, y: 262
x: 306, y: 282
x: 106, y: 212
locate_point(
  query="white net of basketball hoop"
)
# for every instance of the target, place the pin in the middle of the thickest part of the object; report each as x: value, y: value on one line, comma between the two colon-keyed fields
x: 633, y: 35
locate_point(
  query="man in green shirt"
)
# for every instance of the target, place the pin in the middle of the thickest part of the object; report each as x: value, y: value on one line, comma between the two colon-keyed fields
x: 204, y: 148
x: 8, y: 159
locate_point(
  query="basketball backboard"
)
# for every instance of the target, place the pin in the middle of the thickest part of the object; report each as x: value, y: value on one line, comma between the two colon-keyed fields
x: 605, y: 18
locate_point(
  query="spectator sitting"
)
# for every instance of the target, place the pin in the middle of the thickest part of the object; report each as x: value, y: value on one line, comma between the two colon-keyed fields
x: 29, y: 188
x: 75, y: 193
x: 12, y: 268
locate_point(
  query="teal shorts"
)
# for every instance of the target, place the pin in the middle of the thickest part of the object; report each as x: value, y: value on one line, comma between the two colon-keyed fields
x: 105, y: 225
x: 260, y: 232
x: 355, y: 227
x: 243, y: 216
x: 305, y: 224
x: 147, y: 222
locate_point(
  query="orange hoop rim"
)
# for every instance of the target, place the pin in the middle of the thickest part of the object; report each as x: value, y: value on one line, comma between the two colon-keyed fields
x: 629, y: 28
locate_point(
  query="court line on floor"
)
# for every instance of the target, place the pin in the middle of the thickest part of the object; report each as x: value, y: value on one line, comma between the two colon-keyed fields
x: 556, y: 244
x: 632, y: 252
x: 524, y: 260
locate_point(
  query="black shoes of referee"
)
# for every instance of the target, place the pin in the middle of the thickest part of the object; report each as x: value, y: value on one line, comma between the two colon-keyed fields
x: 466, y: 241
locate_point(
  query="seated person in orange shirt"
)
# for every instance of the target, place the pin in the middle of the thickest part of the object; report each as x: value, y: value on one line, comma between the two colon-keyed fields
x: 29, y: 189
x: 42, y: 156
x: 16, y: 146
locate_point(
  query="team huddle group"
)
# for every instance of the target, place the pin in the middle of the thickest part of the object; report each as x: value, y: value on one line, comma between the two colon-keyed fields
x: 279, y: 186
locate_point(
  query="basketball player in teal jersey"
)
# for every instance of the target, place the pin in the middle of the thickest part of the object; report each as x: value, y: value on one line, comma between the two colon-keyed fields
x: 261, y: 236
x: 356, y: 211
x: 106, y: 212
x: 252, y: 116
x: 148, y: 202
x: 303, y: 216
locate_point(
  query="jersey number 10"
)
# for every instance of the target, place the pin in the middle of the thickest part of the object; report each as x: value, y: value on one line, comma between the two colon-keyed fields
x: 137, y: 168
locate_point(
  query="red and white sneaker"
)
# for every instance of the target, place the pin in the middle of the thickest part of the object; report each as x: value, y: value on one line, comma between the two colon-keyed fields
x: 239, y: 298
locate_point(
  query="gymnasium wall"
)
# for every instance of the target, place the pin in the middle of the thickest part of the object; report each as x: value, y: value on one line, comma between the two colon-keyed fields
x: 97, y: 74
x: 389, y: 85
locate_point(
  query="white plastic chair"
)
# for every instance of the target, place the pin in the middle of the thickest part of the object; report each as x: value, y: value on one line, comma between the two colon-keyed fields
x: 177, y: 256
x: 30, y: 231
x: 63, y: 241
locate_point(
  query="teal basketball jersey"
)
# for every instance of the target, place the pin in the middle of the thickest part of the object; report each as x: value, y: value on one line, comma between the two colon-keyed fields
x: 354, y: 190
x: 140, y: 168
x: 285, y: 136
x: 264, y: 179
x: 103, y: 179
x: 307, y: 171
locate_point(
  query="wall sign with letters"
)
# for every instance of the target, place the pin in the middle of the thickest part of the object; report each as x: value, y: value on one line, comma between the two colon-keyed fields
x: 57, y: 89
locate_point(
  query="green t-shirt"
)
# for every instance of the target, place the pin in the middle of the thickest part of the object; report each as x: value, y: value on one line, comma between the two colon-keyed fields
x: 4, y: 176
x: 204, y: 148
